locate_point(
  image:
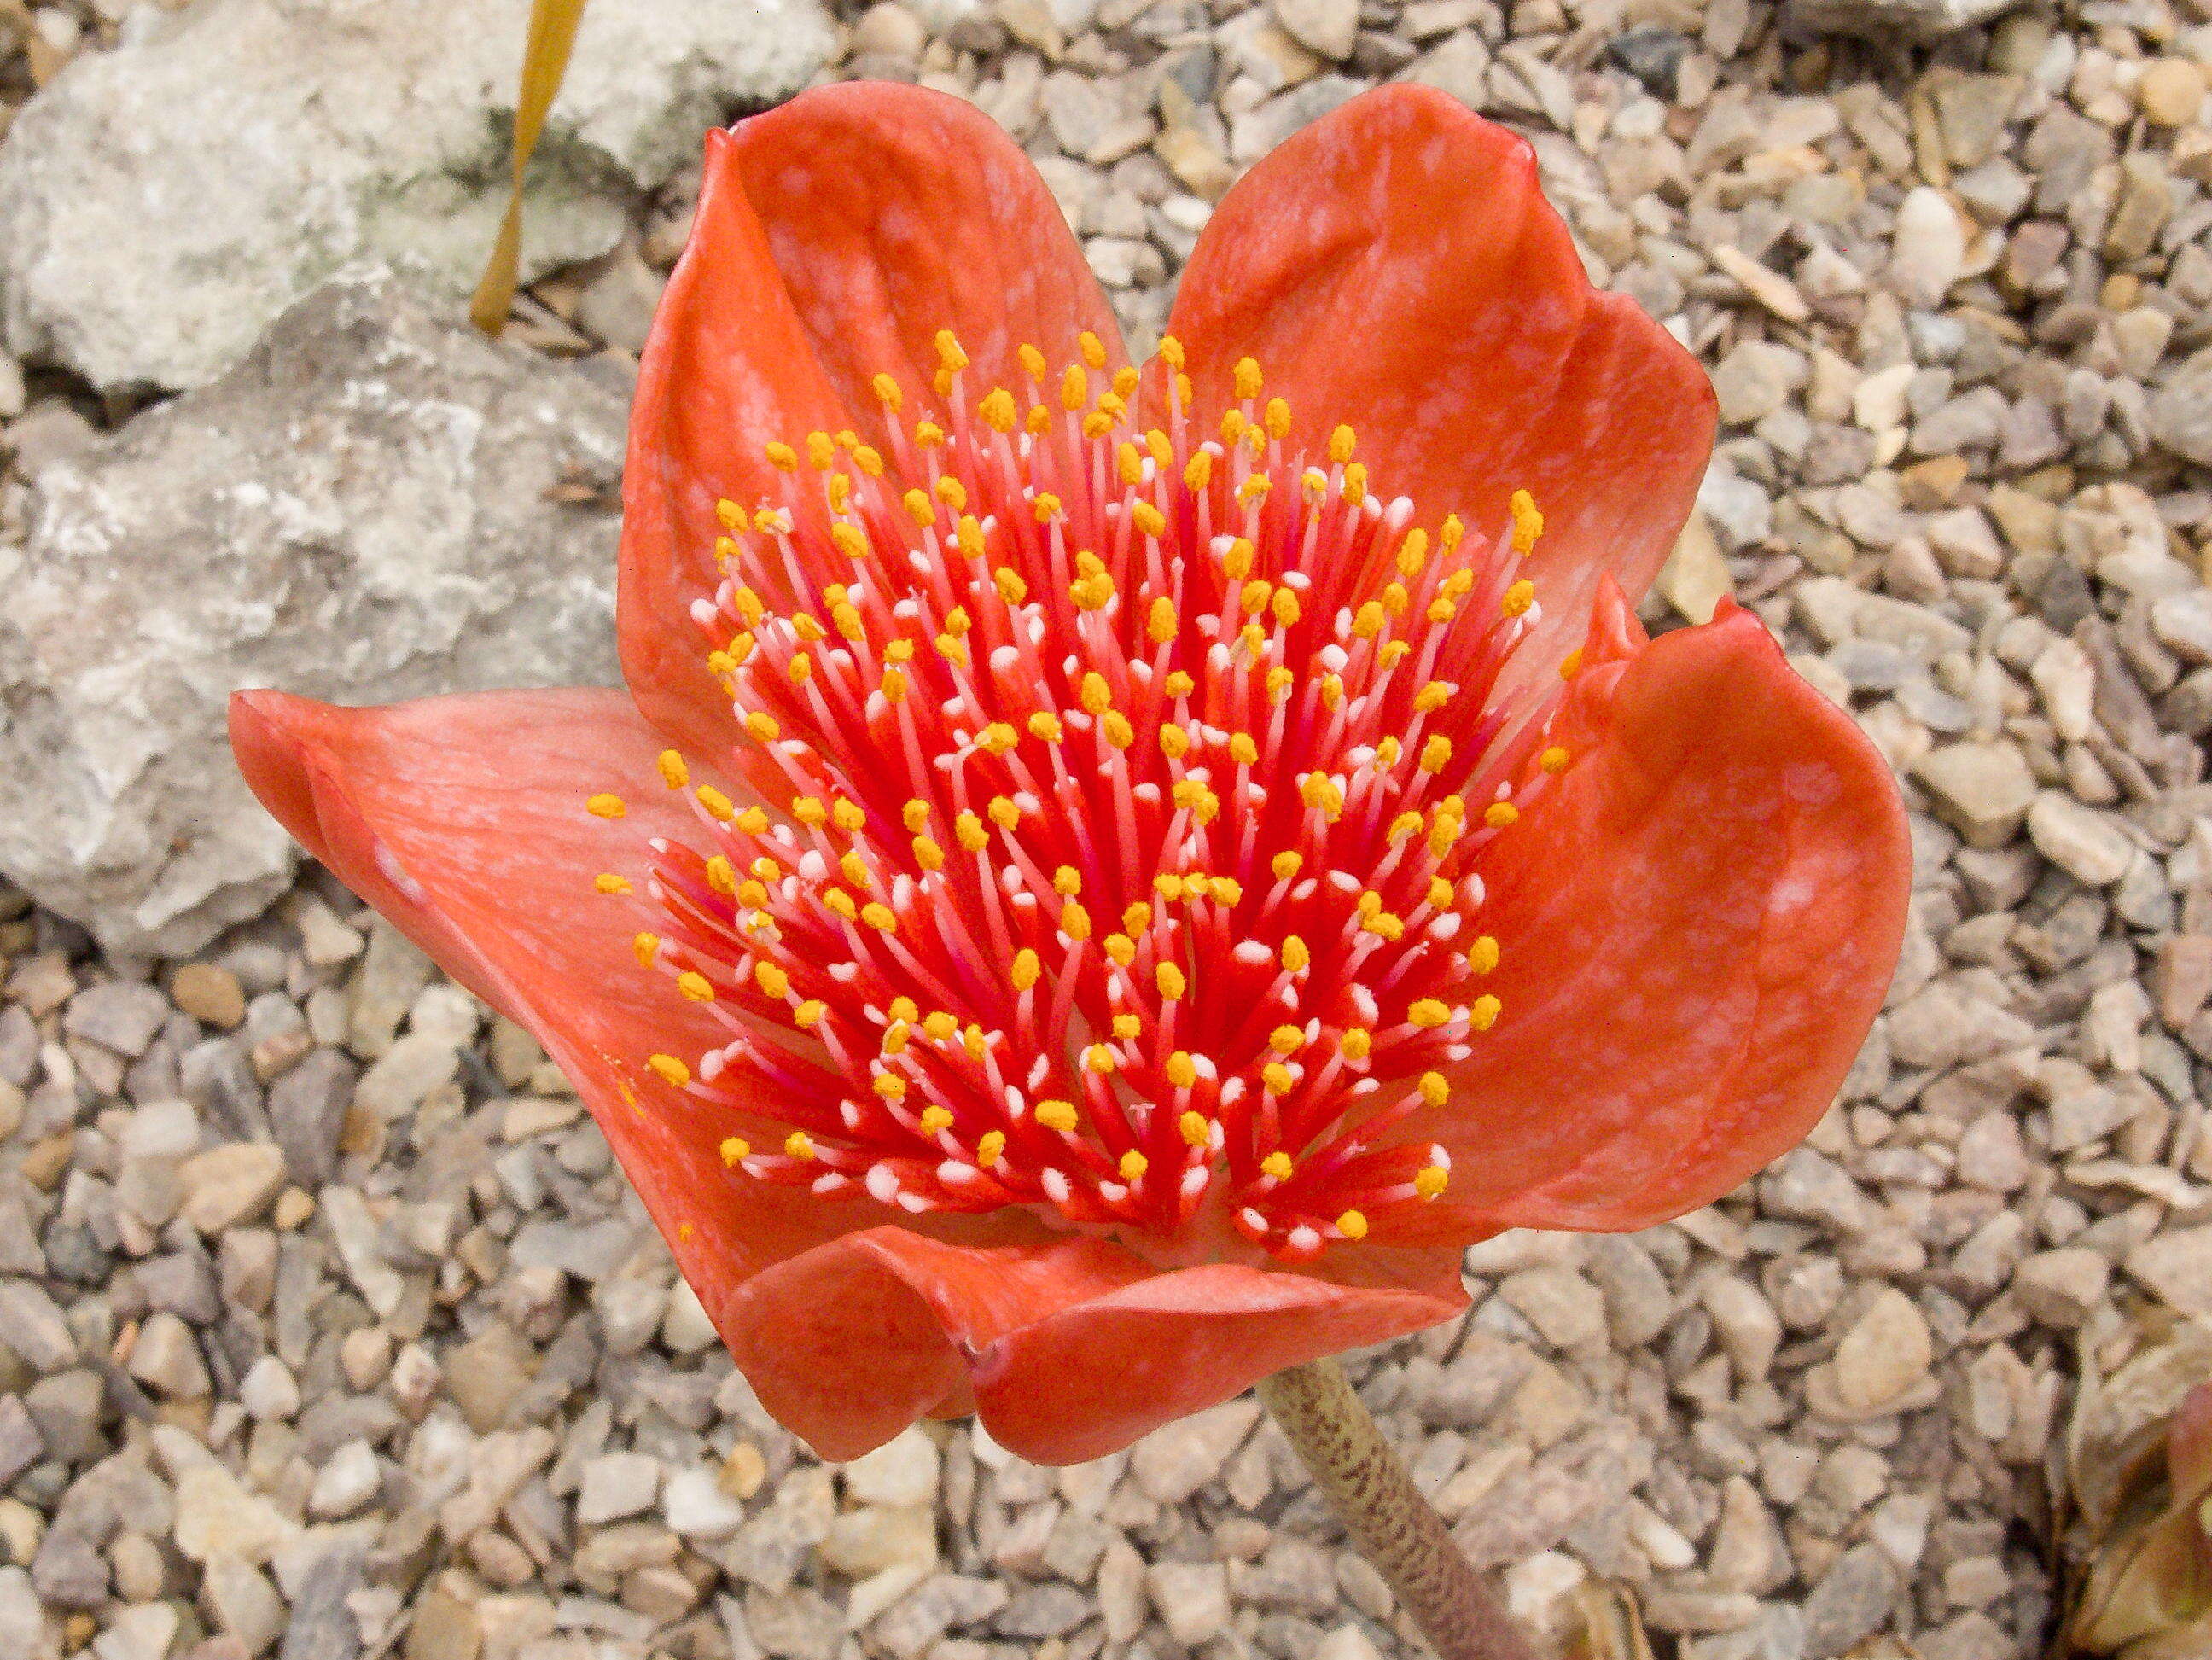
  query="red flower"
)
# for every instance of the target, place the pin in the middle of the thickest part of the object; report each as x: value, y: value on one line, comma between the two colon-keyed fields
x: 1160, y: 893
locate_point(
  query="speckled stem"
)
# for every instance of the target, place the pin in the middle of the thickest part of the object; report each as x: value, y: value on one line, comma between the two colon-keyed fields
x: 1390, y: 1523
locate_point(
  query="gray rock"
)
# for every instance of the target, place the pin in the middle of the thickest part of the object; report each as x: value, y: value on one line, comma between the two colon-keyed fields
x: 306, y: 1110
x: 2180, y: 414
x: 1852, y: 1600
x: 2081, y: 840
x: 122, y: 1015
x: 152, y: 232
x: 248, y: 534
x: 1982, y: 790
x: 1876, y: 19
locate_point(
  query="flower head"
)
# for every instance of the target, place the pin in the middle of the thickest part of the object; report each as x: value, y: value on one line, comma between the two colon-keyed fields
x: 1117, y: 872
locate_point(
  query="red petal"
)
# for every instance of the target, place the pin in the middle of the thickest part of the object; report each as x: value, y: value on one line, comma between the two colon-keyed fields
x: 1068, y: 1349
x: 1698, y: 918
x: 728, y: 367
x: 1395, y: 267
x: 894, y: 212
x: 462, y: 820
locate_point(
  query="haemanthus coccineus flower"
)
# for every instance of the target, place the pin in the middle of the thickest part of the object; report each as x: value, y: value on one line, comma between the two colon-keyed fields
x: 1108, y: 877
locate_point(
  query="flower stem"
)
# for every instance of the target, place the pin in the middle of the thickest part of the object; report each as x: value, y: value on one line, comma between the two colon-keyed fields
x: 1390, y: 1523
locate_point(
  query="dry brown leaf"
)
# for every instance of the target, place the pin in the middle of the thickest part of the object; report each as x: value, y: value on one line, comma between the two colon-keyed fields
x: 544, y: 62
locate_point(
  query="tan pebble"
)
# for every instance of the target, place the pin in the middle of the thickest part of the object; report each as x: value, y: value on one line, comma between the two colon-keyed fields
x: 2170, y: 91
x: 209, y: 994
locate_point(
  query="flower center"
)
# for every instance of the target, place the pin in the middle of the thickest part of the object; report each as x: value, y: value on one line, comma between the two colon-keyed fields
x: 1127, y: 794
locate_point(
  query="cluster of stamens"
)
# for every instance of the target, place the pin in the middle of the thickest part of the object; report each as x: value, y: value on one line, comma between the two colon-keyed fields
x: 1124, y: 794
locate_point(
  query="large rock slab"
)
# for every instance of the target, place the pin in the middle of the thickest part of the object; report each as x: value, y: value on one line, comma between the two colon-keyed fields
x: 160, y: 203
x: 376, y: 504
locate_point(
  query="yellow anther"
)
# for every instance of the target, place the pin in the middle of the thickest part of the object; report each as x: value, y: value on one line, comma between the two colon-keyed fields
x: 888, y: 393
x: 1129, y: 463
x: 1435, y: 753
x: 799, y: 1145
x: 949, y: 354
x: 1402, y: 827
x: 1279, y: 1165
x: 952, y: 493
x: 1099, y: 1059
x: 990, y: 1147
x: 1355, y: 484
x: 604, y: 806
x: 879, y: 916
x: 1369, y: 620
x: 1134, y: 1164
x: 1518, y: 597
x: 1198, y: 472
x: 1055, y: 1116
x: 1285, y: 605
x: 1277, y: 1078
x: 809, y: 1014
x: 775, y: 983
x: 1254, y: 487
x: 735, y: 1148
x: 646, y: 947
x: 890, y: 1085
x: 903, y: 1008
x: 935, y: 1119
x: 1286, y: 1041
x: 696, y: 987
x: 1351, y: 1225
x: 610, y: 882
x: 1045, y: 724
x: 1431, y: 1180
x: 849, y: 540
x: 1195, y: 1130
x: 1278, y: 419
x: 752, y: 895
x: 1074, y: 388
x: 731, y: 516
x: 1074, y: 921
x: 1092, y: 348
x: 1253, y: 598
x: 968, y: 829
x: 809, y: 810
x: 1440, y: 893
x: 801, y: 669
x: 1067, y: 881
x: 1161, y: 622
x: 1169, y: 886
x: 762, y: 726
x: 1038, y: 421
x: 1434, y: 1090
x: 952, y: 649
x: 868, y: 459
x: 1341, y: 443
x: 997, y: 410
x: 1174, y: 742
x: 1125, y: 382
x: 967, y: 535
x: 1428, y: 1012
x: 1356, y: 1043
x: 721, y: 875
x: 997, y: 738
x: 1431, y: 697
x: 1527, y: 523
x: 919, y: 507
x: 780, y: 455
x: 1499, y: 814
x: 1148, y: 518
x: 1010, y: 588
x: 1032, y: 361
x: 1287, y: 866
x: 1413, y: 552
x: 1120, y: 949
x: 1248, y: 380
x: 1234, y: 426
x: 1003, y: 813
x: 1026, y: 969
x: 847, y: 816
x: 821, y: 450
x: 1182, y: 1072
x: 1137, y: 918
x: 841, y: 903
x: 939, y: 1025
x: 1171, y: 981
x: 1482, y: 1013
x: 669, y: 1069
x: 914, y: 814
x: 1552, y: 760
x: 1179, y: 684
